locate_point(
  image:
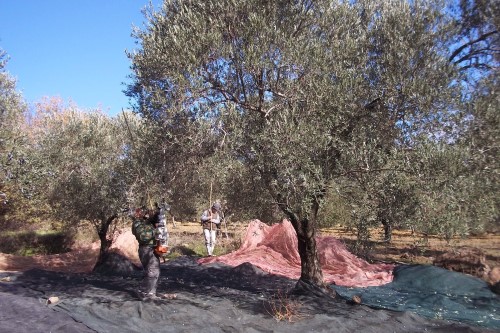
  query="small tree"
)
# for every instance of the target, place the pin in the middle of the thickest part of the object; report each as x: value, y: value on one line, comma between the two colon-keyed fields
x: 12, y: 108
x: 12, y: 157
x: 84, y: 158
x: 397, y: 202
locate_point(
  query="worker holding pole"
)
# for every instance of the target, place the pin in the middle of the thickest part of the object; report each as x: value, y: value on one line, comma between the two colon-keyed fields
x: 209, y: 221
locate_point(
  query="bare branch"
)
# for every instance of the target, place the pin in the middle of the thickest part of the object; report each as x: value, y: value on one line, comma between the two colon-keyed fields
x: 479, y: 39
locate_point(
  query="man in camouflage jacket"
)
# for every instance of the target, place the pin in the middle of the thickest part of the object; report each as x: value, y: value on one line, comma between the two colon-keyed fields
x: 144, y: 231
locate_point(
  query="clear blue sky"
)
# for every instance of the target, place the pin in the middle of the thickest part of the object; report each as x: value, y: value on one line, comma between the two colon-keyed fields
x: 74, y: 49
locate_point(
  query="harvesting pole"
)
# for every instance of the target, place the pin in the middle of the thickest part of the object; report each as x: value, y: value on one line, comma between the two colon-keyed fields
x: 210, y: 205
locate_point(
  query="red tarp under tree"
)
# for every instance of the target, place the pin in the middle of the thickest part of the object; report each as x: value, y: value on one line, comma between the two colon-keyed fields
x: 274, y: 250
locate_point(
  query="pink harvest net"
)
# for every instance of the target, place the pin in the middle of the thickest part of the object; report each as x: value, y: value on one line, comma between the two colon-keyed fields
x: 274, y: 250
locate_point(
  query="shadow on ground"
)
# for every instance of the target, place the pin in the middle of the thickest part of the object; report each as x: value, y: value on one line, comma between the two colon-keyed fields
x: 211, y: 298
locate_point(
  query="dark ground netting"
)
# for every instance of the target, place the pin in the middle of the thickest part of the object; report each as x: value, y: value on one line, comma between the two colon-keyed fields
x: 219, y: 298
x: 433, y: 292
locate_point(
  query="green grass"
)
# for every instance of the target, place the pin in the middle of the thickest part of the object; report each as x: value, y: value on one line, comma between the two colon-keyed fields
x: 28, y: 243
x: 196, y: 247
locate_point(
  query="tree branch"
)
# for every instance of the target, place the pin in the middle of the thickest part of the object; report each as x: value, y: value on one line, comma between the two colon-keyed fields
x: 464, y: 46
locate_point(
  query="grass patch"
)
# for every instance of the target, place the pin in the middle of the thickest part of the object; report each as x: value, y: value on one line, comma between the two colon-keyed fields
x: 186, y: 250
x: 28, y: 243
x: 192, y: 245
x: 187, y: 239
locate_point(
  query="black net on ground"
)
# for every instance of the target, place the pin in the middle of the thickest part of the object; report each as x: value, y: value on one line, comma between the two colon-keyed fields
x: 210, y: 298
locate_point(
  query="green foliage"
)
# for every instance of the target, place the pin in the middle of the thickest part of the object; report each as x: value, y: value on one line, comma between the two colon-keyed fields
x: 85, y: 159
x: 290, y: 103
x: 481, y: 141
x: 197, y: 248
x: 194, y: 248
x: 291, y: 97
x: 446, y: 192
x: 18, y: 211
x: 78, y: 164
x: 334, y: 210
x: 200, y: 249
x: 12, y: 108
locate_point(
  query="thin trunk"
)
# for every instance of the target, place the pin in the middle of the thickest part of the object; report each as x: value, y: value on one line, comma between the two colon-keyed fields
x: 387, y: 231
x: 104, y: 240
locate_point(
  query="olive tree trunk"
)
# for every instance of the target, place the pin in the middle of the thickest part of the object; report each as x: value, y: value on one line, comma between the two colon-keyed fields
x: 105, y: 240
x: 311, y: 274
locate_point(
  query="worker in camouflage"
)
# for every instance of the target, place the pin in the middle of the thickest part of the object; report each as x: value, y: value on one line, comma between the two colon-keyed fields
x: 144, y: 231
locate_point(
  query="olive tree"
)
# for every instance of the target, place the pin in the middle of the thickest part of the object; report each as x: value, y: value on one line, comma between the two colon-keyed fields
x: 481, y: 141
x: 86, y: 166
x: 12, y: 109
x: 292, y: 88
x: 12, y: 112
x: 475, y: 51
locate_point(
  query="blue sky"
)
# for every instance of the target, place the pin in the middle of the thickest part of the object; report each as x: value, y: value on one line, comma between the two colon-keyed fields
x: 74, y: 49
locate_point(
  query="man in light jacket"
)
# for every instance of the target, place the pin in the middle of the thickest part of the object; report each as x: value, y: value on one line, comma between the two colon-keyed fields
x: 209, y: 220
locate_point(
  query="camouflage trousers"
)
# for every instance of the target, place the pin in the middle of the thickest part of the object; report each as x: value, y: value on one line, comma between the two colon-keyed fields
x: 151, y: 263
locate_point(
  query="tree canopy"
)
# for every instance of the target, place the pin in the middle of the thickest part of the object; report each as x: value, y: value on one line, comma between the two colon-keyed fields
x: 300, y: 92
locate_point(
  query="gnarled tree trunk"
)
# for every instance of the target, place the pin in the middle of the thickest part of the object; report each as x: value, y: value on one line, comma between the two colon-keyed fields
x: 311, y: 275
x: 105, y: 240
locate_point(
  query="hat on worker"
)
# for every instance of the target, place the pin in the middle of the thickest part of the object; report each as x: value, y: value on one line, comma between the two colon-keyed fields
x: 216, y: 206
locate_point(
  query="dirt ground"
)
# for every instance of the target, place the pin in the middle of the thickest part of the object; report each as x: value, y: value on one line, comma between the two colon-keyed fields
x: 414, y: 248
